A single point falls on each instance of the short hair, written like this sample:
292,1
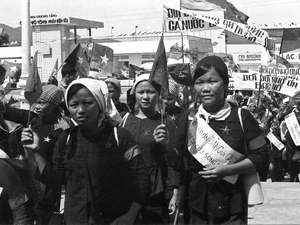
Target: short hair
67,69
2,71
209,62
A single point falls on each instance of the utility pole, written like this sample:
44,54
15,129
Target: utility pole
26,39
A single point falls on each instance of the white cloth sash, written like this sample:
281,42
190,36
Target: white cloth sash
274,140
208,148
293,127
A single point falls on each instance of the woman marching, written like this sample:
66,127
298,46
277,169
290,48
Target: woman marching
49,123
105,176
212,199
154,141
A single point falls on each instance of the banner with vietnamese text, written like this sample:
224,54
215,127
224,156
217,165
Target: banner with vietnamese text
249,32
279,84
177,21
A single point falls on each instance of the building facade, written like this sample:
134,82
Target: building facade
55,38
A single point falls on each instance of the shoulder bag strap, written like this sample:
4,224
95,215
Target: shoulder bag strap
124,119
241,122
116,135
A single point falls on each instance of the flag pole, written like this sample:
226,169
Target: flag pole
259,89
26,39
185,97
161,101
162,107
58,69
29,112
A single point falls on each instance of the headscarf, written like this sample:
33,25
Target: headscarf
173,88
143,77
51,93
100,93
114,81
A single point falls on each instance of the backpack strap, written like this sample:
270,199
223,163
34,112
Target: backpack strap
240,117
116,135
124,119
241,122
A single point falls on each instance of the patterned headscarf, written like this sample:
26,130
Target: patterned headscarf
51,93
100,93
173,88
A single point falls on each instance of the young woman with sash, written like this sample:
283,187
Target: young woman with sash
219,150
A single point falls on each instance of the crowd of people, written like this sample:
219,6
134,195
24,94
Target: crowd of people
119,163
270,109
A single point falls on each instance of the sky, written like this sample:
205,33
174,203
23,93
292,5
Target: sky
125,15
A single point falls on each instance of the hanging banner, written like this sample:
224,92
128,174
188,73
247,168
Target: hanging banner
293,72
279,84
177,21
248,32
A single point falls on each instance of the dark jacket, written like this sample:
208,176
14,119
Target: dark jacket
102,176
16,206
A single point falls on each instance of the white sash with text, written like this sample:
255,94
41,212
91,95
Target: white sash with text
293,127
209,149
274,140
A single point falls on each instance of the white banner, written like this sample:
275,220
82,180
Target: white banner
177,21
275,141
248,32
293,127
293,73
279,84
208,148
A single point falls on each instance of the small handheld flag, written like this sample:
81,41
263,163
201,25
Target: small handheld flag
33,88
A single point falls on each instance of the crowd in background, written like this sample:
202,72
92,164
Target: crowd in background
269,109
132,172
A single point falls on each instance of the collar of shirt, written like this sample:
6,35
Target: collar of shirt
220,115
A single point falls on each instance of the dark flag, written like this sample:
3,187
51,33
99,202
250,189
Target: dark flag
181,73
79,61
232,13
135,71
12,69
159,72
203,5
283,61
102,60
119,71
33,88
55,69
290,40
52,79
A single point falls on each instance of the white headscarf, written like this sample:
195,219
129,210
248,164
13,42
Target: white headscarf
100,93
142,77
